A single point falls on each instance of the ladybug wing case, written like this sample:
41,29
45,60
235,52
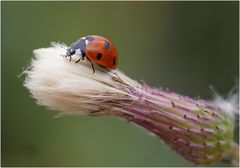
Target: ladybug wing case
102,52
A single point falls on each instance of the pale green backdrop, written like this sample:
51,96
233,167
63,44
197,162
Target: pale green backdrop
184,46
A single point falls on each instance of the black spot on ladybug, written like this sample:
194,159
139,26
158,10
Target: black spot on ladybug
99,56
89,38
106,45
114,60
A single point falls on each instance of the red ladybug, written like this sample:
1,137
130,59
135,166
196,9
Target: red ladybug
96,49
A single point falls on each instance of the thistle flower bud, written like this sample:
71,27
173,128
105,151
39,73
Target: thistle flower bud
199,130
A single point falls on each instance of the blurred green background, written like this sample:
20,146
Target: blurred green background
184,46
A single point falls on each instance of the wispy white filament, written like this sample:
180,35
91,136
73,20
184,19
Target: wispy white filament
69,87
229,104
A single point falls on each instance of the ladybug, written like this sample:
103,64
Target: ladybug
96,49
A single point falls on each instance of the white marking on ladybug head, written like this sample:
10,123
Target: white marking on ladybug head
86,41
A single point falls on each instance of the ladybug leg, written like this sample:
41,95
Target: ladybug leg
92,65
78,60
81,57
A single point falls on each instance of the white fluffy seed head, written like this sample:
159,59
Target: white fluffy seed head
72,87
228,104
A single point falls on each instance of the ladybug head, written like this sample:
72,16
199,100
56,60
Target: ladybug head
70,52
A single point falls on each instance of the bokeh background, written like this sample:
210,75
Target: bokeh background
184,46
